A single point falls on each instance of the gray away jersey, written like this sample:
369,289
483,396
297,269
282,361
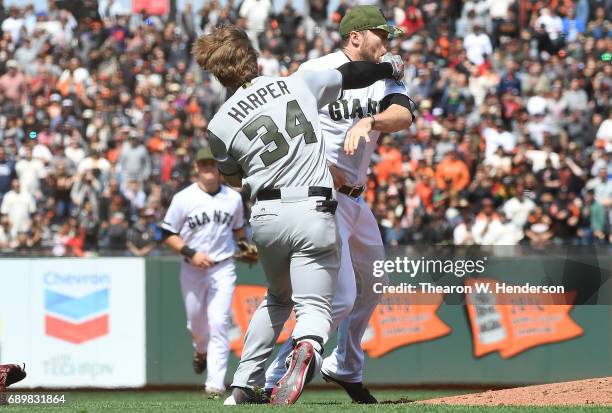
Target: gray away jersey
270,131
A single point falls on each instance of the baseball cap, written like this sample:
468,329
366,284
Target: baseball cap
204,154
366,18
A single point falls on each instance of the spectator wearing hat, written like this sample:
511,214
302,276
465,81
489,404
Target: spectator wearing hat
65,117
140,236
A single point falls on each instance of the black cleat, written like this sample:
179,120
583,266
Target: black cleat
357,392
243,395
199,362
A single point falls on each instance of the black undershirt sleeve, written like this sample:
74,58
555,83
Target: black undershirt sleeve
357,75
166,233
399,99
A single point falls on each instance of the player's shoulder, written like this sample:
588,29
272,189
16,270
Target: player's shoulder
329,61
185,193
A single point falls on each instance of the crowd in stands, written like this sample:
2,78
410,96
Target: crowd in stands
102,111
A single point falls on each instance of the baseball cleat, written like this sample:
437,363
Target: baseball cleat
357,392
290,386
199,362
244,395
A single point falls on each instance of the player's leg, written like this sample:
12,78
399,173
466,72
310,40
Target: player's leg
269,318
347,361
314,271
219,303
193,288
345,293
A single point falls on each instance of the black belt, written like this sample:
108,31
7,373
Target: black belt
352,191
270,194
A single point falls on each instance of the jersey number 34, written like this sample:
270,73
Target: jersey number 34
295,124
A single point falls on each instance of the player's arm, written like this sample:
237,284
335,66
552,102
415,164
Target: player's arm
178,245
240,234
399,113
327,85
228,167
173,220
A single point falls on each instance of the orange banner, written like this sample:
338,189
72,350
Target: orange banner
247,299
514,322
158,7
398,323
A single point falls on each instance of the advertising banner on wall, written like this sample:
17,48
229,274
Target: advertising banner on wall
246,300
394,325
512,323
74,322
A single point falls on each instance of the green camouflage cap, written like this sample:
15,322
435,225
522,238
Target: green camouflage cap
204,154
366,18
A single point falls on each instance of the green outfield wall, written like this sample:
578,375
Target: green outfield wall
446,360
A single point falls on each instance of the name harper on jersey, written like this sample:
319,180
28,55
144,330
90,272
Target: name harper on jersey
219,217
257,99
342,109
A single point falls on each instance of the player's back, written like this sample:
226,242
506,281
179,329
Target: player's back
270,127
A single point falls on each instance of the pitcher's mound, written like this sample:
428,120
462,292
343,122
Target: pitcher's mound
582,392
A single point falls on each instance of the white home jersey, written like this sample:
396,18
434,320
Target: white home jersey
339,116
206,222
269,129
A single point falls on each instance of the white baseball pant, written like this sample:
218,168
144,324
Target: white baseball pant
208,299
354,299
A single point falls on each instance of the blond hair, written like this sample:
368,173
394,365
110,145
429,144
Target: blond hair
227,53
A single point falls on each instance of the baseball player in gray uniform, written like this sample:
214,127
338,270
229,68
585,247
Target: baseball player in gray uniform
362,113
203,223
267,137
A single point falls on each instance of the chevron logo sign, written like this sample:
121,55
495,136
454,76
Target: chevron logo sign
76,319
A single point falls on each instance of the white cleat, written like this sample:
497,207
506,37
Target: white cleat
229,401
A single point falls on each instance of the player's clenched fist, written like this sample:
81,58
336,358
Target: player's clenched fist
202,260
397,63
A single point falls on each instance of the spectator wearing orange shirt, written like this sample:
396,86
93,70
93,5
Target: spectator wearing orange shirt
390,162
452,173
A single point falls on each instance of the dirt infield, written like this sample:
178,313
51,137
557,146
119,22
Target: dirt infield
582,392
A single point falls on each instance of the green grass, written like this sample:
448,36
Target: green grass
312,401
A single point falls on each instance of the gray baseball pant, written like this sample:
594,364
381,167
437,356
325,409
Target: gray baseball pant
299,251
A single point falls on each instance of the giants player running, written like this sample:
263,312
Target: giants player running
268,135
203,223
381,107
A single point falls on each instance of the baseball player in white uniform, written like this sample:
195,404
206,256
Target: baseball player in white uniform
267,136
203,223
381,107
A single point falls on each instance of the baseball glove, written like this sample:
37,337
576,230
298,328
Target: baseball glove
11,374
246,253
